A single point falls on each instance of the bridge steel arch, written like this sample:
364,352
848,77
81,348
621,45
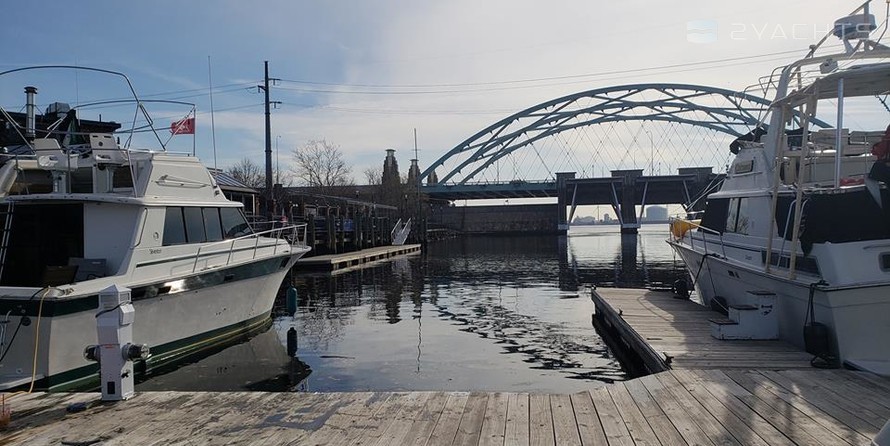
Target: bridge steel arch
736,114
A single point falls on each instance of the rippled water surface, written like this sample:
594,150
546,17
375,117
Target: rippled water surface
479,313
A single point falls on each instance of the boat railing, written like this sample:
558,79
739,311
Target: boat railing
295,235
400,231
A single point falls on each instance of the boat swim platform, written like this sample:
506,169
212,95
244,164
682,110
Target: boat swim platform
667,333
336,262
678,407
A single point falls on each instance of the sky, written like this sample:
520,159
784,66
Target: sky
365,74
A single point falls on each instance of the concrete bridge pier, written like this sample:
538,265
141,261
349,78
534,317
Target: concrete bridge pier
624,200
562,223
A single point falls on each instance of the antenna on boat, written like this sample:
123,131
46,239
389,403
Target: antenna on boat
212,123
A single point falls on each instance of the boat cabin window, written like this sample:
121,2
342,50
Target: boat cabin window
194,225
42,240
199,225
174,228
716,214
212,224
31,182
737,216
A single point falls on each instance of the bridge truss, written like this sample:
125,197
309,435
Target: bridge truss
655,127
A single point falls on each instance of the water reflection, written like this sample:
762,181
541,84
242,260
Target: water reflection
260,363
599,255
484,313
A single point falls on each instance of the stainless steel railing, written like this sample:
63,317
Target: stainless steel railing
295,235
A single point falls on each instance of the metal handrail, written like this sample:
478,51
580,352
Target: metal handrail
292,234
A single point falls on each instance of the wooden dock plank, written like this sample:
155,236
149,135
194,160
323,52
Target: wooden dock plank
678,415
517,426
395,429
446,428
540,419
662,427
709,424
736,403
470,428
565,427
634,421
745,425
494,422
422,426
861,420
826,429
589,427
873,395
723,387
370,428
353,416
850,398
613,425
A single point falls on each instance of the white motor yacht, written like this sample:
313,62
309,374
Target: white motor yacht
152,221
796,243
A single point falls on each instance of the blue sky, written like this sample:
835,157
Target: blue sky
364,74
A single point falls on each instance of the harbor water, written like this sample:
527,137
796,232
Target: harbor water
476,313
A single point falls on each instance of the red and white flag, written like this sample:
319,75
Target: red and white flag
184,126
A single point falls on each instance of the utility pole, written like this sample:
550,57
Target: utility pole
265,88
268,132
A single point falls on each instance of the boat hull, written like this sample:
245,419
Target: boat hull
855,315
174,325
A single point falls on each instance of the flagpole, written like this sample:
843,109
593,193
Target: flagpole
212,123
194,129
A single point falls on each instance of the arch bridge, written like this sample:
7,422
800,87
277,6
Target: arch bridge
603,146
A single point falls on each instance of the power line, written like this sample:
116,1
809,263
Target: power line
518,87
540,79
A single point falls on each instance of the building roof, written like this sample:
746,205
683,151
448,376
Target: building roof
228,182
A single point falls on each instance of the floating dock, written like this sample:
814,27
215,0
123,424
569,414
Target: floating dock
668,333
709,393
335,262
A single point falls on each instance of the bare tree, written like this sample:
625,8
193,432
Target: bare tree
283,176
248,173
320,164
374,176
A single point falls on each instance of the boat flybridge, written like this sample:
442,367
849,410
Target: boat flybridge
77,219
796,243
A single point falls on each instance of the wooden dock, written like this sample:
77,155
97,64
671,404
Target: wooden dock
701,407
335,262
669,333
710,393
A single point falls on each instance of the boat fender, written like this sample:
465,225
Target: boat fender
292,342
681,289
291,301
680,227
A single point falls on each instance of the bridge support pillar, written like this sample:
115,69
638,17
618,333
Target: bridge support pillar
626,199
562,200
